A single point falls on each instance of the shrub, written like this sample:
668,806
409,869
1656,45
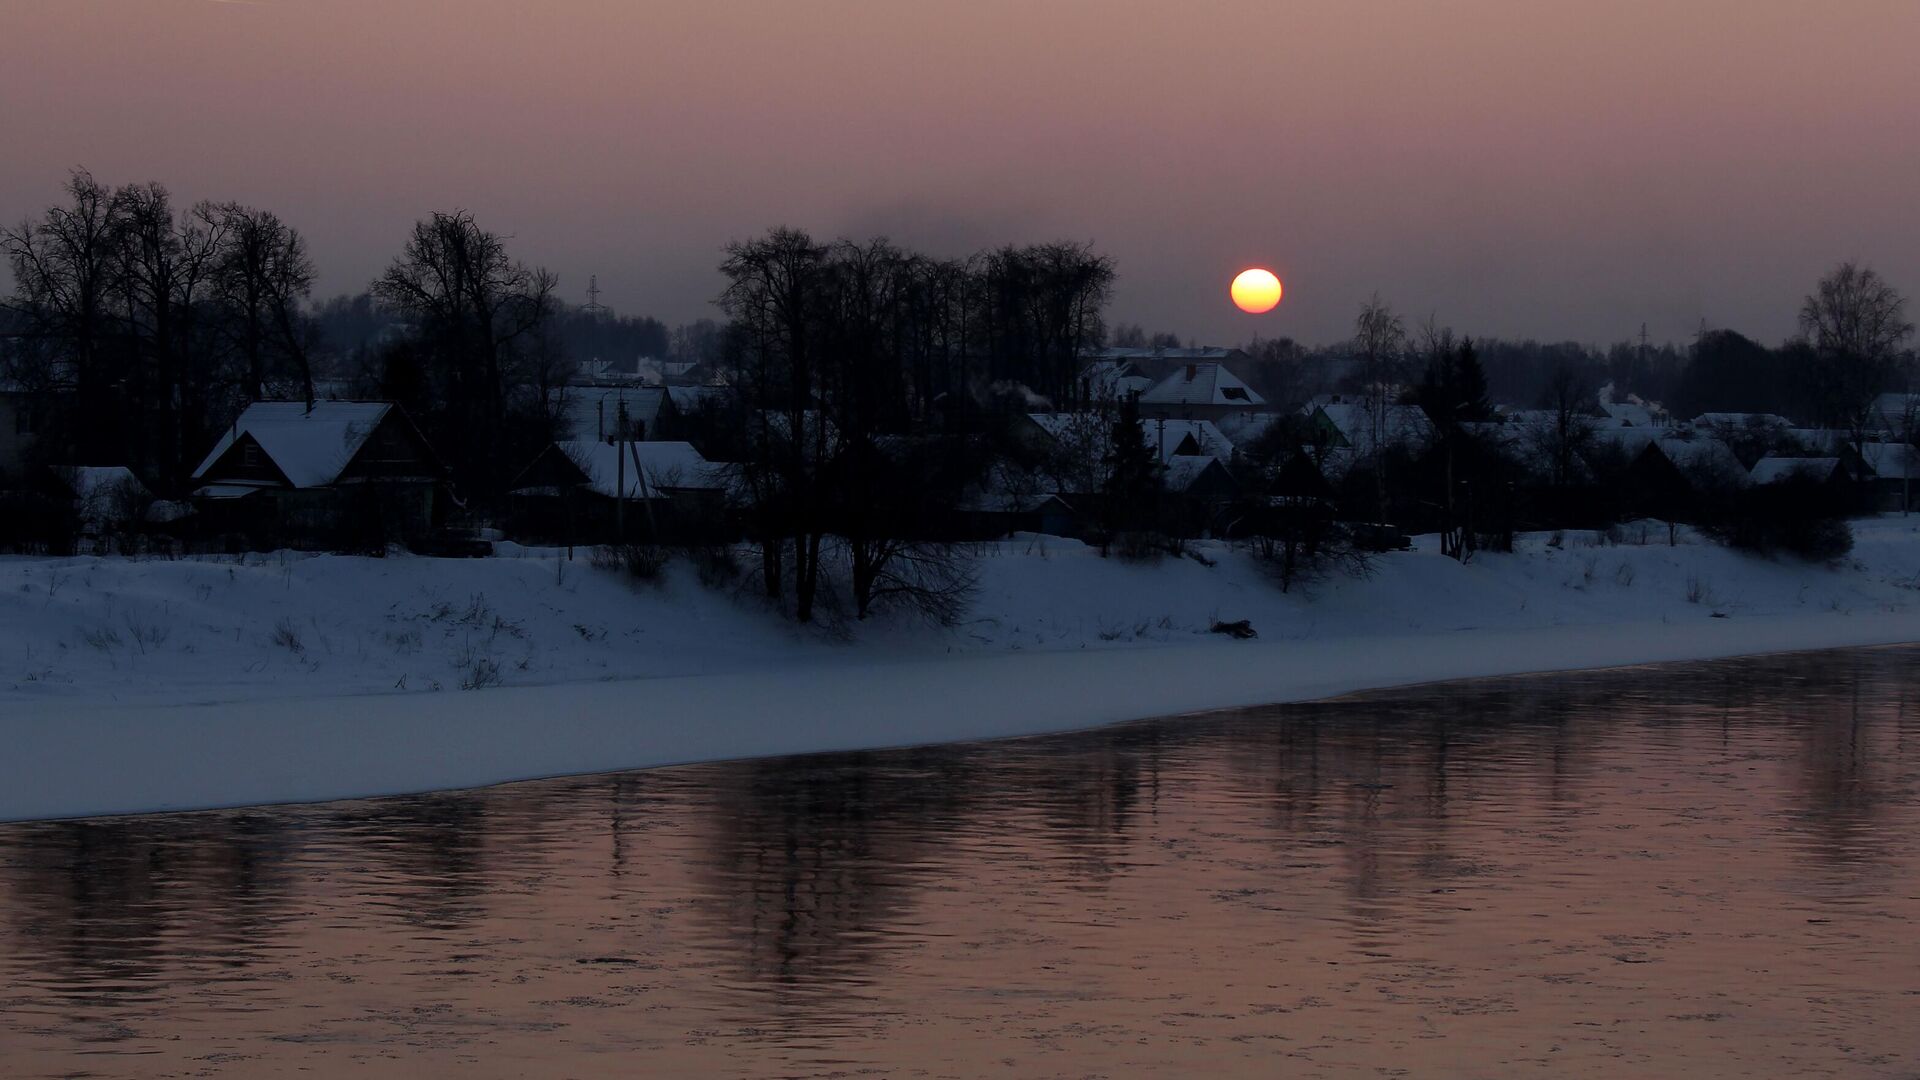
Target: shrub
640,562
1798,516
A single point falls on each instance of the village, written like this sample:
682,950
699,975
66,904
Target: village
643,457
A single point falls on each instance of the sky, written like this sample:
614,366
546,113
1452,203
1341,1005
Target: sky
1517,168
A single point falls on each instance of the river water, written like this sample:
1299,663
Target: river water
1700,870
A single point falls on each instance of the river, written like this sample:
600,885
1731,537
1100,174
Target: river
1699,869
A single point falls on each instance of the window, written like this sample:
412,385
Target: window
250,456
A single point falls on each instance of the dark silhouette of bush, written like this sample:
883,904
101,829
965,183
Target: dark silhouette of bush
1800,516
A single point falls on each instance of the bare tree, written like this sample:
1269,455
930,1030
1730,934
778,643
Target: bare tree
265,278
65,273
1379,343
475,313
1856,323
1568,431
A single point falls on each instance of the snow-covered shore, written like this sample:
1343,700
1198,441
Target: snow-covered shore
136,686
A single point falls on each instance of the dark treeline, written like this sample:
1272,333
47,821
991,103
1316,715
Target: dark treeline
156,322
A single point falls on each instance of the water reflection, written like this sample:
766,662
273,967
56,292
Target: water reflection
1574,869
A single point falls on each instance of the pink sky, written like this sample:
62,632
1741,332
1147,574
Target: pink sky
1520,167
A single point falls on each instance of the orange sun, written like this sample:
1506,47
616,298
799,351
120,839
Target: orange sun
1256,291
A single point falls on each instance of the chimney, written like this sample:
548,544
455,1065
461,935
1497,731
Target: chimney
1193,370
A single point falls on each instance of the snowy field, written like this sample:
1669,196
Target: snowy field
132,686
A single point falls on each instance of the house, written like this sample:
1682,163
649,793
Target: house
1891,473
329,474
1668,475
1200,390
994,513
586,490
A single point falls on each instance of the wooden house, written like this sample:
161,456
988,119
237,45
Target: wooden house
333,474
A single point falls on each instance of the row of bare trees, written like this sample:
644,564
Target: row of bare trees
144,329
154,323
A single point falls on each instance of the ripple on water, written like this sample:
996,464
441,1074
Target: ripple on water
1710,869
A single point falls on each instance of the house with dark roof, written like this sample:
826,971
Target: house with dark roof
332,474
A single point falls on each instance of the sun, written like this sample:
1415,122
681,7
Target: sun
1256,291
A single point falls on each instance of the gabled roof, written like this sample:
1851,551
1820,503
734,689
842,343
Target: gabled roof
1702,453
1169,438
1202,384
310,446
1891,461
662,466
1183,472
1770,469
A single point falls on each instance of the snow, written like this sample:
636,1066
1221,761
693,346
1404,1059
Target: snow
310,446
593,412
1771,469
1202,384
131,686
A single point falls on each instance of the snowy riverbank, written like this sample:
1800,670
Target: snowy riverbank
128,686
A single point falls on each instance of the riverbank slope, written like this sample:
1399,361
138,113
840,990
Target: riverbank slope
138,686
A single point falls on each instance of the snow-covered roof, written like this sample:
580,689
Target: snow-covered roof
1112,380
309,446
1202,384
1894,412
1703,454
1167,437
1196,352
694,398
1242,428
1164,437
1741,419
1400,425
1628,414
97,489
1181,472
593,412
1891,461
1772,469
662,466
